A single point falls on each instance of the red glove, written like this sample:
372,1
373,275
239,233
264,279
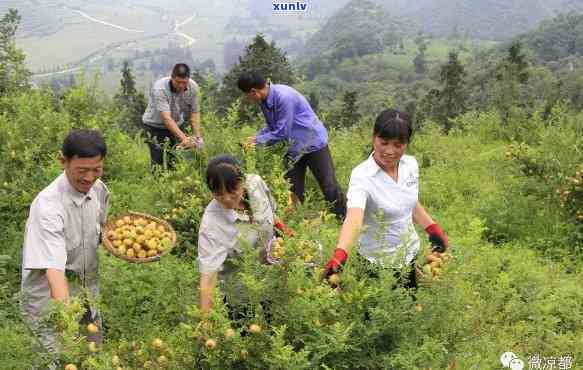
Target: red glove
335,263
279,225
437,238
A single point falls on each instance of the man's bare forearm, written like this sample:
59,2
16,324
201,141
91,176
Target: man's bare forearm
58,285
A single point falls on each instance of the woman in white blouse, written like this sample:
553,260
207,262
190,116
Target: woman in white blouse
242,211
383,197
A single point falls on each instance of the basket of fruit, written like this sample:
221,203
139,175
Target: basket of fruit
307,251
138,237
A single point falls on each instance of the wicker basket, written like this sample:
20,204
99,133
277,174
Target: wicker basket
276,261
111,225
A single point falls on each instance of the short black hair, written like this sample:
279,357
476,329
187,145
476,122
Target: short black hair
84,143
392,124
250,80
181,70
223,173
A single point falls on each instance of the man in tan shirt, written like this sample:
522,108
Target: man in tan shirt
59,258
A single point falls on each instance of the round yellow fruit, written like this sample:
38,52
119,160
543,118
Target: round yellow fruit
151,244
121,249
130,253
162,360
127,220
92,329
254,328
70,367
92,347
161,228
151,253
148,233
157,343
141,239
334,279
117,243
210,344
119,223
160,248
229,333
115,361
128,242
142,254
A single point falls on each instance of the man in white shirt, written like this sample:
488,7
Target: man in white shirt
59,258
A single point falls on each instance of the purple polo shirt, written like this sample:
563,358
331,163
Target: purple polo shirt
290,118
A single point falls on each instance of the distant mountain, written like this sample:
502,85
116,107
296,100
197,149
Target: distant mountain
38,18
359,28
482,19
556,39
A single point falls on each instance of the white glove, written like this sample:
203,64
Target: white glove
198,143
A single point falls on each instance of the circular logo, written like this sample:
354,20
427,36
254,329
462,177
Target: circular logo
516,364
506,358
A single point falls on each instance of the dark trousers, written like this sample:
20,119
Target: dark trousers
321,166
162,144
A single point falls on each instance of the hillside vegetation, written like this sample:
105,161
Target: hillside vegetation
499,142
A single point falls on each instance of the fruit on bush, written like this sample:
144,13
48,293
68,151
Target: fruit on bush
162,360
92,329
70,367
254,328
115,361
210,344
157,343
92,347
334,279
418,307
244,354
229,333
305,252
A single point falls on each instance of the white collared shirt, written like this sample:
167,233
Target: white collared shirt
62,232
388,235
222,230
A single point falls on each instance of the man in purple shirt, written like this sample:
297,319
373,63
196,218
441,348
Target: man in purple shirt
290,119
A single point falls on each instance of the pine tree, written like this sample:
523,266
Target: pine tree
129,101
450,99
511,75
452,96
13,72
259,56
349,115
128,84
314,101
420,61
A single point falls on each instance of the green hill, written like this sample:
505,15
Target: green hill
483,19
